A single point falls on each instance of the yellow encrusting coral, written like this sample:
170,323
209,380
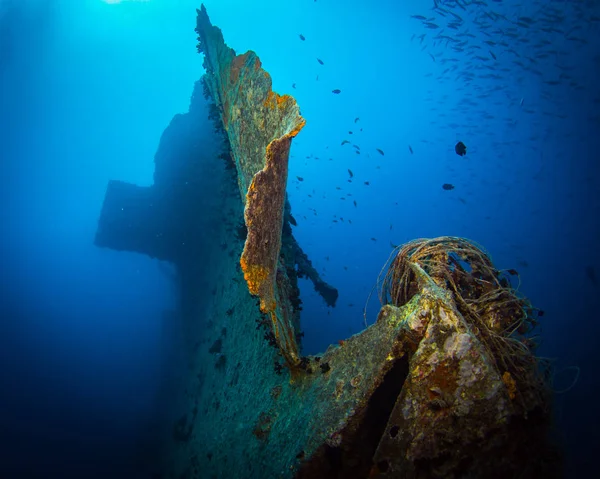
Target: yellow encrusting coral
255,275
511,385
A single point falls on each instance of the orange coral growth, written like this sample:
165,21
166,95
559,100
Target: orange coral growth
268,100
258,278
281,101
444,376
296,130
510,384
236,65
255,275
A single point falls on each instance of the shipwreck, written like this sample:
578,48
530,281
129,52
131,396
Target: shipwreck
445,384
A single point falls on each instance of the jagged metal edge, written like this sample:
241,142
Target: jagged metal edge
254,116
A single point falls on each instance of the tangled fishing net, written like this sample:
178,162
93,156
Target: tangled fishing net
496,313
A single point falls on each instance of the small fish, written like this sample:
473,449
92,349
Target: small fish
493,56
540,312
355,203
512,272
301,37
460,148
411,150
350,133
350,172
344,142
300,178
448,186
294,86
356,119
336,91
521,102
373,239
293,221
320,61
380,152
367,183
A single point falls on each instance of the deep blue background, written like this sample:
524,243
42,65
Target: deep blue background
87,88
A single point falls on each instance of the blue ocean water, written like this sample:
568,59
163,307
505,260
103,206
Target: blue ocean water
87,88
